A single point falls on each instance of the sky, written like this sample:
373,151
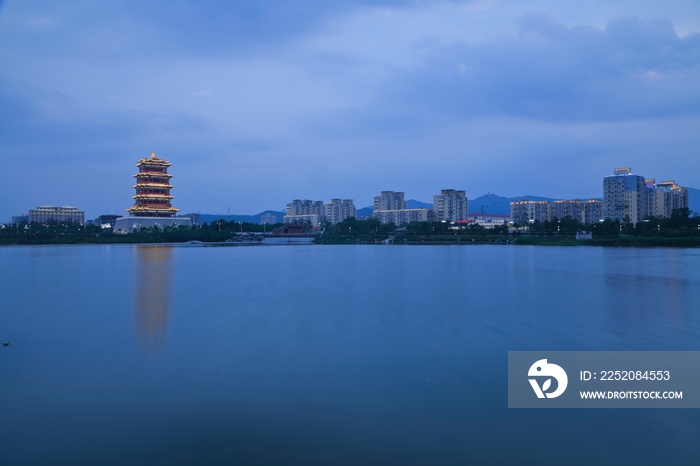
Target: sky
259,103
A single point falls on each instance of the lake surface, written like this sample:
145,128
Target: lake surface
300,355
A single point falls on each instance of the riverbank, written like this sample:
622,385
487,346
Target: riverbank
220,239
523,240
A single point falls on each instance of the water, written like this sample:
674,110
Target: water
328,354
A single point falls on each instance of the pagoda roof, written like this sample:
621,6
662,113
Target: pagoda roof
152,185
153,160
151,209
152,175
154,196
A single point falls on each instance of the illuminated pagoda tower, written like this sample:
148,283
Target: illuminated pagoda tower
152,202
153,189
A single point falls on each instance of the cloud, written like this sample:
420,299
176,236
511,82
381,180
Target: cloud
201,92
549,71
652,75
372,95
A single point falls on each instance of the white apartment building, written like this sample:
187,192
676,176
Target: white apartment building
400,216
585,211
631,197
305,211
389,200
49,213
664,197
450,206
339,209
625,196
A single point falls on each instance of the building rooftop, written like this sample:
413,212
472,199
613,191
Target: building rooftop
153,160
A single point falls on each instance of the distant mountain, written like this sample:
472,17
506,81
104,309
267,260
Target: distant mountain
494,204
238,218
413,204
365,212
694,200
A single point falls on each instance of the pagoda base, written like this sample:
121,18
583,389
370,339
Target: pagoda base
125,225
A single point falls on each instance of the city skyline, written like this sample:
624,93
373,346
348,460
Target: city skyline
693,202
322,101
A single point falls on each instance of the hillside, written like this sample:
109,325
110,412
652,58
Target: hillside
208,218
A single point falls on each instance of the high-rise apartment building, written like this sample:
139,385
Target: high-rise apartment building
664,197
625,196
631,197
389,200
305,211
390,206
306,207
339,209
450,206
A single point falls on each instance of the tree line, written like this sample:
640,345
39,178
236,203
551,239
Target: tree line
681,224
54,232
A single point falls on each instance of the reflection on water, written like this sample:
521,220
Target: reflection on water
329,354
152,294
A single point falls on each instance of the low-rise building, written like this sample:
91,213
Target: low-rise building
524,212
312,219
64,214
592,211
106,220
17,219
486,220
268,218
400,216
196,218
586,211
291,229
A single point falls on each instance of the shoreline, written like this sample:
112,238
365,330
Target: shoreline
678,242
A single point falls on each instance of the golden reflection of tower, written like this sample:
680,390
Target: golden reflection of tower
152,294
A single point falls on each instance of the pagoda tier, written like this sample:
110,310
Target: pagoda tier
152,186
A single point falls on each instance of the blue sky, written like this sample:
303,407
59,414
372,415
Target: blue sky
259,103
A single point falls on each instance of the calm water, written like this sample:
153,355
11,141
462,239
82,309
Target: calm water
328,354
